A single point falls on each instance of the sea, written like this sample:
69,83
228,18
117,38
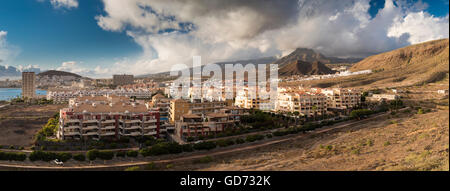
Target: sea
10,93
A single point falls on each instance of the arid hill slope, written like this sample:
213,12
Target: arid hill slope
299,67
416,64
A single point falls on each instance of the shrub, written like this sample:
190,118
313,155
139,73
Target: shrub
132,153
150,166
169,166
121,154
92,154
187,148
12,156
190,139
269,136
203,160
63,156
79,157
48,156
105,155
240,141
221,143
420,111
253,138
360,113
133,168
387,143
208,145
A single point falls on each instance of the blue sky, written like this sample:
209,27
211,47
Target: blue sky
43,35
47,36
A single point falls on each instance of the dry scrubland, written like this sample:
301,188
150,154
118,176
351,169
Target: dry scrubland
19,123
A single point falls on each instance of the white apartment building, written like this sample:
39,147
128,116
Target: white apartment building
306,103
342,98
62,96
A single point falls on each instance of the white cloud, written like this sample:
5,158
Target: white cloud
172,31
67,4
7,51
421,27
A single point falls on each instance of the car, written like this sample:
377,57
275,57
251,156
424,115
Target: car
58,162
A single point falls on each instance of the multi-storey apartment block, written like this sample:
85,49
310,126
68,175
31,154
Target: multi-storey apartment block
28,84
95,119
63,96
179,107
342,98
193,125
244,99
162,104
306,103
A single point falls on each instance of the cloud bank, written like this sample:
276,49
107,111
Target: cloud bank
7,52
172,31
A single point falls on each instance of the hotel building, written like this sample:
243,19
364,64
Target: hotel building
99,118
28,85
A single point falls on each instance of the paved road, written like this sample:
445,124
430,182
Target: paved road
288,138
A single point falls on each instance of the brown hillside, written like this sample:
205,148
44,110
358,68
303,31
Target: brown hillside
416,64
299,67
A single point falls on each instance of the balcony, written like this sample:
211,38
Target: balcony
150,127
108,128
73,121
130,121
72,128
151,121
68,134
132,128
106,134
132,134
90,128
108,121
91,134
150,133
90,121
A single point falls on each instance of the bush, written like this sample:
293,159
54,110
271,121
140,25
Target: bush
269,136
187,148
203,160
133,168
208,145
161,149
132,153
240,141
150,166
92,154
190,139
360,113
253,138
64,157
12,156
121,154
48,156
420,111
105,155
79,157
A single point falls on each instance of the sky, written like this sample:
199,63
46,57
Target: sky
98,38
